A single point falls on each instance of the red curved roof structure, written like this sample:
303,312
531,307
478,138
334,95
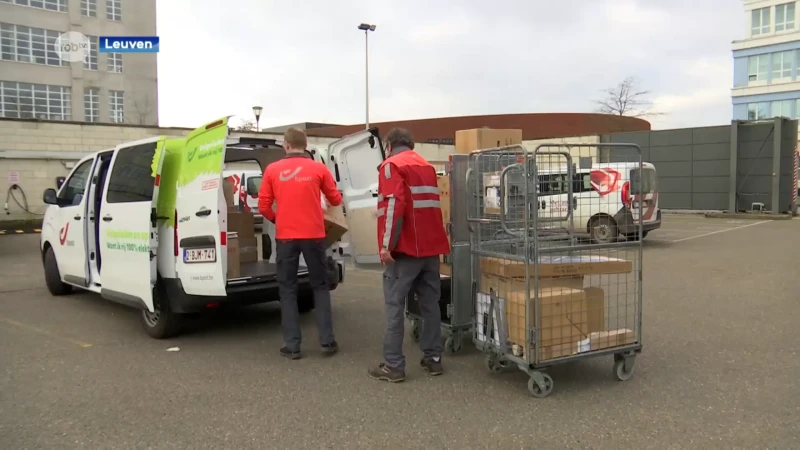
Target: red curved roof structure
533,126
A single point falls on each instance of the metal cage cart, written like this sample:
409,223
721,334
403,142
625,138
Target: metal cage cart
555,254
456,299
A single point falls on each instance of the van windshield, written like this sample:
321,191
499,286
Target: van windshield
645,183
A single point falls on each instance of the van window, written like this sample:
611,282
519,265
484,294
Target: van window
647,183
552,184
582,182
254,183
132,176
73,190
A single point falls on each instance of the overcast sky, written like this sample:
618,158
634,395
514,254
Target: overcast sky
304,61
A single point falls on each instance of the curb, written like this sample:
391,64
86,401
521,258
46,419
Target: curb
749,216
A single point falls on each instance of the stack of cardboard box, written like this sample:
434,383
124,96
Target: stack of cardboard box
241,235
572,319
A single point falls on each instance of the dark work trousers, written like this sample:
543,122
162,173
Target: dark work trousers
288,259
421,276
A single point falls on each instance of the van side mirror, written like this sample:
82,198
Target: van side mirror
49,197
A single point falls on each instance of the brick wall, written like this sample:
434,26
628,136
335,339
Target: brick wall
49,147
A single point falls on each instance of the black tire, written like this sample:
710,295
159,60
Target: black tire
162,323
305,301
603,230
52,276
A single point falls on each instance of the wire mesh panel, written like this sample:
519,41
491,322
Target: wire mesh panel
556,244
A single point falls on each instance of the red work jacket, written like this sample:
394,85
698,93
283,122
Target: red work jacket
409,210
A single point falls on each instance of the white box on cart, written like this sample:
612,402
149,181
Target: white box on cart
482,303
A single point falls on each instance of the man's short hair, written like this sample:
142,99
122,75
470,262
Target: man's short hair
296,138
399,137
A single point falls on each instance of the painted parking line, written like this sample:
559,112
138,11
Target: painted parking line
44,332
28,231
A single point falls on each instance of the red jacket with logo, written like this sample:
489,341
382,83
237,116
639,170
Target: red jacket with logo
409,209
294,184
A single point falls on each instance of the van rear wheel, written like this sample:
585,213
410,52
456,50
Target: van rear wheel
603,230
52,277
162,323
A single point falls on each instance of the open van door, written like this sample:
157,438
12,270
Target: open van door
128,223
354,160
200,225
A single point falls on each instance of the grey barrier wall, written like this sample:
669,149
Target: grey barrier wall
725,168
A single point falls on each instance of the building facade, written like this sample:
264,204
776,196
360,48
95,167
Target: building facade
766,63
106,87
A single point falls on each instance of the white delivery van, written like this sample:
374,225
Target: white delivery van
146,224
605,199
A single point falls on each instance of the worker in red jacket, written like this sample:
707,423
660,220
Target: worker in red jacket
295,184
411,238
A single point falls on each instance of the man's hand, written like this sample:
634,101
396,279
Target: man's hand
386,257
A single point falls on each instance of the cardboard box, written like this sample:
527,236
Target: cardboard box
563,317
444,198
234,266
445,269
227,191
491,193
242,223
558,266
336,225
483,138
596,308
248,250
505,285
606,339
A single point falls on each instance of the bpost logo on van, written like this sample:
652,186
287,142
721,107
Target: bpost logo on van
62,236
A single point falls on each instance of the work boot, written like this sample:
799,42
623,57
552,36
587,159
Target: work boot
330,349
286,353
432,365
383,372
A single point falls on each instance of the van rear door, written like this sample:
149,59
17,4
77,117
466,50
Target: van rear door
354,160
128,223
644,188
201,228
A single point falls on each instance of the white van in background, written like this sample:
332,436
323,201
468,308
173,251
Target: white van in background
605,200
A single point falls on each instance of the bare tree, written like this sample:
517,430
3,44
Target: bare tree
246,125
626,99
140,112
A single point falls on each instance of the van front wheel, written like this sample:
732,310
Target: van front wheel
162,323
52,277
603,230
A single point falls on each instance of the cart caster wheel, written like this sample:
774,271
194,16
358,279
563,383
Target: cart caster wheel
620,371
415,331
541,389
494,364
453,344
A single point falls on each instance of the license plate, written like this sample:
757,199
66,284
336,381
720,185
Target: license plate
199,255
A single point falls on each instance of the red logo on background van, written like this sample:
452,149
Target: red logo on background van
62,235
605,181
235,181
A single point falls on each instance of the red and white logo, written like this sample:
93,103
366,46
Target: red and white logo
605,181
62,235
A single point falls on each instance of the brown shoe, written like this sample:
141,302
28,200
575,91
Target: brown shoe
383,372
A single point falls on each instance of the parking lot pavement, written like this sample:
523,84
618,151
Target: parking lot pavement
718,369
686,227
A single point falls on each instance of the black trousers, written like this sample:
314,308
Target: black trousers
287,256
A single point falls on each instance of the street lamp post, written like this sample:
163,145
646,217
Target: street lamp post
366,28
257,111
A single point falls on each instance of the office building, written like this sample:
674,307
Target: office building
105,87
766,61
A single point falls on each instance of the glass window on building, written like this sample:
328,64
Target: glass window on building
784,17
115,62
114,10
782,66
759,21
782,108
35,101
758,67
89,8
757,111
116,106
91,104
29,45
90,63
51,5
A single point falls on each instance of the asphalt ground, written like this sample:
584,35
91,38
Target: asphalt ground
719,367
